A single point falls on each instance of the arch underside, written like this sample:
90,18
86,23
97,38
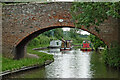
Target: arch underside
21,46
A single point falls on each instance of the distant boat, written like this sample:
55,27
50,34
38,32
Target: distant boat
55,44
86,46
66,45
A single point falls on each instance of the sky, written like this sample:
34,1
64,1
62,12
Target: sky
85,32
82,32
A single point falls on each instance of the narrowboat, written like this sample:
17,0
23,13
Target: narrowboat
66,45
55,44
86,46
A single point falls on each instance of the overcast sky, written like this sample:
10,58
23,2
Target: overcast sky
82,32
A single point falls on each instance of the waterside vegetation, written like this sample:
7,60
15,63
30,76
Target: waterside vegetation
10,64
111,56
94,13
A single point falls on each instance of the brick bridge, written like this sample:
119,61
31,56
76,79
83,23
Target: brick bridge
23,22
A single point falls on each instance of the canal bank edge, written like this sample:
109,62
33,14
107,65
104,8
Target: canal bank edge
25,68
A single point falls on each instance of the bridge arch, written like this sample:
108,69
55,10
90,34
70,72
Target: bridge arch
22,44
23,22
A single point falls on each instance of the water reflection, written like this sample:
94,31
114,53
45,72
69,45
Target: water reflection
54,50
72,64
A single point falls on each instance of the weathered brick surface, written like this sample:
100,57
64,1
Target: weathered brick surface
23,22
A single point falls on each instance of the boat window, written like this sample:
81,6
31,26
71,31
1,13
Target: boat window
57,43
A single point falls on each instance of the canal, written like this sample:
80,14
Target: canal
72,64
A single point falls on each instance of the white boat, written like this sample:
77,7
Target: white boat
55,44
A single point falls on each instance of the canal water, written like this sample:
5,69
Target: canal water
72,64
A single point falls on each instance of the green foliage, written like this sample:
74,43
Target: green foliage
96,41
75,37
42,55
112,56
79,40
41,40
58,33
48,33
10,64
73,33
94,13
45,38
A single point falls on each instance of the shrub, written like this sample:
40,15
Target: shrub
111,56
41,40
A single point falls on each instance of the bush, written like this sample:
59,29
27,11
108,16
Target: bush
41,40
112,56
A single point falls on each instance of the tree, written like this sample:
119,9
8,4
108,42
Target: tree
94,13
96,42
58,33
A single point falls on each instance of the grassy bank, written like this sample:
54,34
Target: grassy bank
10,64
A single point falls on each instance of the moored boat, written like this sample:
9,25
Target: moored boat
86,49
66,45
86,46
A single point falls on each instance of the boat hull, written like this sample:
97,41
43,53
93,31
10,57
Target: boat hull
86,49
65,49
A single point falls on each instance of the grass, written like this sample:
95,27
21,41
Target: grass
77,47
10,64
